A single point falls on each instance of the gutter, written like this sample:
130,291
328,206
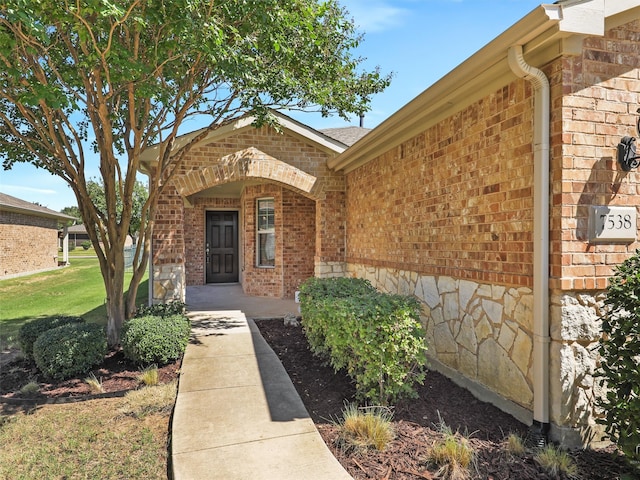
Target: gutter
541,337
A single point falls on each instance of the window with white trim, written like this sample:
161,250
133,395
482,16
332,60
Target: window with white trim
266,233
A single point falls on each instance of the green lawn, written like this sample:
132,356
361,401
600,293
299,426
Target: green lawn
74,290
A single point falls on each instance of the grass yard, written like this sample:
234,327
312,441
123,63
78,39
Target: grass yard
123,437
105,438
74,290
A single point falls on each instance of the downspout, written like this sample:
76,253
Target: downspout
541,339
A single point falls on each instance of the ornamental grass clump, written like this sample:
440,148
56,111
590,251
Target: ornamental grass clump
453,454
362,428
556,462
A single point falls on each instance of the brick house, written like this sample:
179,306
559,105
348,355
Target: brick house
494,197
28,237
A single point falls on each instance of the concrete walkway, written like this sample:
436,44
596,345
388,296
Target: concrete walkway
237,414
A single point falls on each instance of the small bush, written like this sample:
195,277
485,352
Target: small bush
620,358
153,339
70,349
30,331
86,245
161,309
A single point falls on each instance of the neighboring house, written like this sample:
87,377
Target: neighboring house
495,197
28,237
78,235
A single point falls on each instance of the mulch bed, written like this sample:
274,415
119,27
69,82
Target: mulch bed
116,374
325,392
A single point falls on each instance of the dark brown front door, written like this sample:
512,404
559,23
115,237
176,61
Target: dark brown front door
221,249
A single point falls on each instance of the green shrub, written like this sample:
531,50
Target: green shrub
69,350
161,309
30,331
377,338
154,339
317,297
86,245
620,358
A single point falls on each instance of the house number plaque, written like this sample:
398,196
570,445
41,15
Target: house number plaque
612,224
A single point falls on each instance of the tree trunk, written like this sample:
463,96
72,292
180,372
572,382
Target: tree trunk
115,317
113,276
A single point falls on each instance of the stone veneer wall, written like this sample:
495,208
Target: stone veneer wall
168,283
28,244
575,330
481,331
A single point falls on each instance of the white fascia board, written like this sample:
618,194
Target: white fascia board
307,133
585,18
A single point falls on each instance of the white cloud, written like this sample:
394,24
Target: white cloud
22,188
375,16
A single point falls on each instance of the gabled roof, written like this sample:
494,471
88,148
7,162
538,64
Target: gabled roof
77,229
547,32
323,141
346,135
13,204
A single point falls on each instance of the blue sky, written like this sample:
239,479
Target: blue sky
420,41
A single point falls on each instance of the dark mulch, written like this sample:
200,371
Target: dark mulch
324,393
116,373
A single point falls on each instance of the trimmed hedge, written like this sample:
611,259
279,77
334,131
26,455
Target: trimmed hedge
30,331
155,339
377,338
69,350
161,309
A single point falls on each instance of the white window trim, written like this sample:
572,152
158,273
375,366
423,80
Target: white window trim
265,231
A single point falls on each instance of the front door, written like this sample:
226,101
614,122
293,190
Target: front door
221,249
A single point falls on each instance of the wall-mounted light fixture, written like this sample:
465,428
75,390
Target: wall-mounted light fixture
627,157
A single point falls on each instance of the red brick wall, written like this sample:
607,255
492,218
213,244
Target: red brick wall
455,200
27,243
295,242
299,215
594,101
168,243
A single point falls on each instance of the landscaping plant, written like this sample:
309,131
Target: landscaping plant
30,331
161,309
453,454
620,358
154,339
366,427
70,350
377,338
